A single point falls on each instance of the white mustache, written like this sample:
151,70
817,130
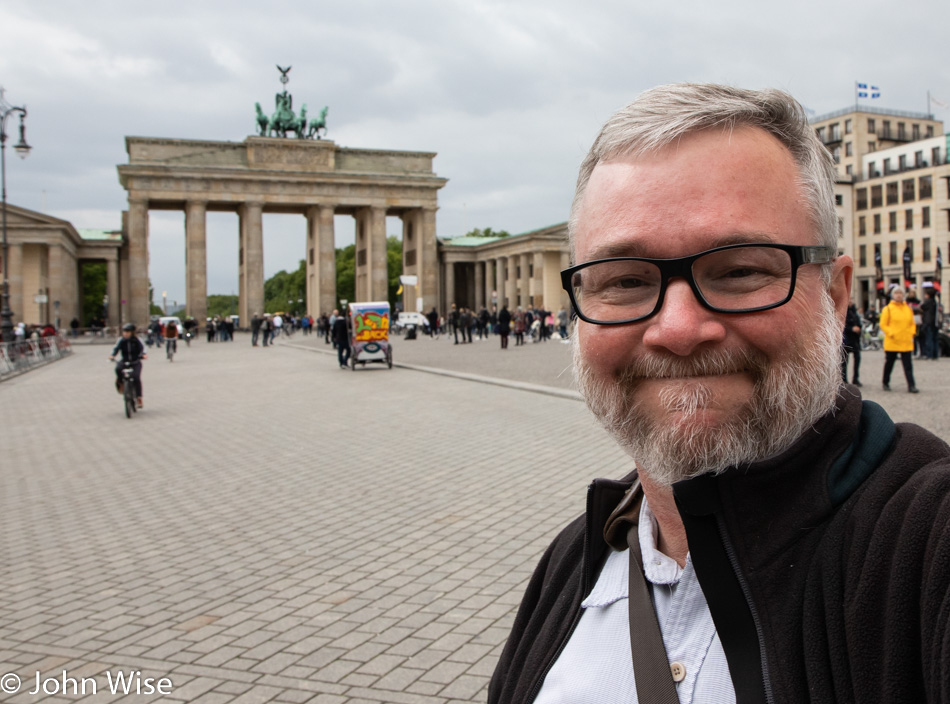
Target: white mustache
703,364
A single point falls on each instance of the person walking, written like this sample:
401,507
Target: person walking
897,323
929,348
519,326
454,323
851,345
504,326
255,329
341,340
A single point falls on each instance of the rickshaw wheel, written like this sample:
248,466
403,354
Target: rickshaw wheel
353,363
389,359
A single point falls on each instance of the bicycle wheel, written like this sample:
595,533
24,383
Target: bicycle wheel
129,403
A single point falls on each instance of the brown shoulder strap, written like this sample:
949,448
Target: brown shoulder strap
651,667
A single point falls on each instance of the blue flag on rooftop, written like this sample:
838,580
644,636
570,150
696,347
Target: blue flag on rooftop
864,90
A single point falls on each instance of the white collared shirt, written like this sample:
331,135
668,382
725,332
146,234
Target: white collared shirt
596,667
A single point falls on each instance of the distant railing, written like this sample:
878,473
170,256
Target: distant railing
19,357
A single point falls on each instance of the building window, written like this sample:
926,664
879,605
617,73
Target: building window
930,131
902,162
861,199
910,248
834,132
885,129
820,132
907,186
901,131
918,159
892,221
877,223
925,187
887,166
908,219
892,193
836,155
915,132
848,149
876,197
848,170
862,226
862,255
839,199
877,253
872,146
871,126
925,216
926,249
847,126
893,253
872,169
935,156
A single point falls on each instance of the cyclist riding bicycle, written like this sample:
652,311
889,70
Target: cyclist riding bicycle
171,339
133,352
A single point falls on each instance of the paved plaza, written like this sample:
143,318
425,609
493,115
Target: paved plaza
272,528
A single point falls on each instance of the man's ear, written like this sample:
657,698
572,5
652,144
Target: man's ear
841,279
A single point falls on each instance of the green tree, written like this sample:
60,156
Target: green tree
283,287
93,277
393,268
223,305
345,274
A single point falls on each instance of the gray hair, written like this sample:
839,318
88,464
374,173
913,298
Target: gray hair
664,114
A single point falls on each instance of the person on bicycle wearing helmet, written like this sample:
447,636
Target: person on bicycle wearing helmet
133,352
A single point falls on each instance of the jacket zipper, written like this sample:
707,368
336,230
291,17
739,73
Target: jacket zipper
585,587
747,593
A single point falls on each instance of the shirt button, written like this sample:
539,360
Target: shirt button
678,670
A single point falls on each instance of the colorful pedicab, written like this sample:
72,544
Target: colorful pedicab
369,323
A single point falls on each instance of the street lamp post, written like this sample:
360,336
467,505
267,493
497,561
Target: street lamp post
22,149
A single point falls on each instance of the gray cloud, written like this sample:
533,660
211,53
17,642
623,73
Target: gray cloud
510,94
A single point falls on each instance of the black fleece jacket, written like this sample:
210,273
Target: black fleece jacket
826,568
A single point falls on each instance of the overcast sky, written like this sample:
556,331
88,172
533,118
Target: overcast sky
510,94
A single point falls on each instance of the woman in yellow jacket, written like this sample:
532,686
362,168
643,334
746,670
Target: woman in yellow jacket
897,323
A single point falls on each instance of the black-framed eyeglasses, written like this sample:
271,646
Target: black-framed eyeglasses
737,278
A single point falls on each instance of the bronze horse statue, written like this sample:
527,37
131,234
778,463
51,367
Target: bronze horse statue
262,122
318,124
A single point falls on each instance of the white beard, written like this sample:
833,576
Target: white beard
787,399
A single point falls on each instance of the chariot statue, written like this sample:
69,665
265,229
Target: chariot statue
284,120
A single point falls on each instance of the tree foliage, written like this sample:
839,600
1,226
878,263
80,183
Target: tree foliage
223,305
93,276
282,291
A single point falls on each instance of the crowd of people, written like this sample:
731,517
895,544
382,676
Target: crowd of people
464,325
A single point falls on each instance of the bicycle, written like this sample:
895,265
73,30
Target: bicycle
870,337
128,390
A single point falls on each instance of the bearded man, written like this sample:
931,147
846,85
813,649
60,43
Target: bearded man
780,540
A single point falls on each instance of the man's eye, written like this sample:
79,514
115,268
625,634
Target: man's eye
630,282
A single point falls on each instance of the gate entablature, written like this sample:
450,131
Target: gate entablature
315,178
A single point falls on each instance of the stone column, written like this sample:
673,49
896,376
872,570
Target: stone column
196,262
138,261
512,283
15,280
449,286
321,260
525,281
479,286
112,291
427,255
56,271
489,282
501,281
252,246
378,273
537,283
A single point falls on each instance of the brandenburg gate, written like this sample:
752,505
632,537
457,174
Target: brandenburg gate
263,174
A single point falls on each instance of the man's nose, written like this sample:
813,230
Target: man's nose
683,323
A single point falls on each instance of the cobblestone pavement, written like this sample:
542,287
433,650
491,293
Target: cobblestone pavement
274,529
